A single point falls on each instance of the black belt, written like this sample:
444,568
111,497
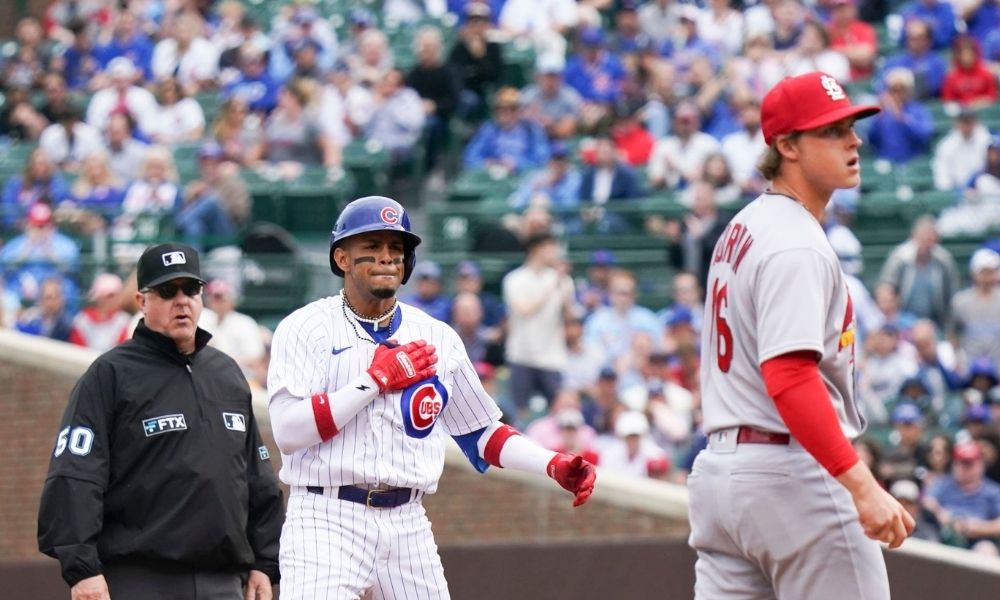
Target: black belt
370,498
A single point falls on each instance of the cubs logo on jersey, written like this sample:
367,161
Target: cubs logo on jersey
421,405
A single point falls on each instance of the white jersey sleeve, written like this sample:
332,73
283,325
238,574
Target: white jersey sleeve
792,296
471,408
300,354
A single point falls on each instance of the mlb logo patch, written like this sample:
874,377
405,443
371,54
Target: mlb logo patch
264,454
235,421
164,424
174,258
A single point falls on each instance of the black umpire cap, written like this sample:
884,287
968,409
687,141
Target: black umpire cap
165,262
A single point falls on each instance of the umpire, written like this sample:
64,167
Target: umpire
159,486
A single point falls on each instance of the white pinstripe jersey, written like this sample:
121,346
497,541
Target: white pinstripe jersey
322,347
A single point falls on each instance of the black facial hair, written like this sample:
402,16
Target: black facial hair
383,293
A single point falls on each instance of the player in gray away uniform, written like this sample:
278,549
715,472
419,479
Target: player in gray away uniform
781,507
363,394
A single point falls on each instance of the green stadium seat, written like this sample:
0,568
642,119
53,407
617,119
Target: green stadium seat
368,164
210,103
14,156
474,185
935,201
275,271
453,227
268,206
519,62
990,116
312,203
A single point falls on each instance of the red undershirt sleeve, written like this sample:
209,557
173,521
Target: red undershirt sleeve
804,404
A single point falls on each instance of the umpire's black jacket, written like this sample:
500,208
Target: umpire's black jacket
159,461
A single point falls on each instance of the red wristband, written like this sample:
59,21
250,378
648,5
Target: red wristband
491,454
324,417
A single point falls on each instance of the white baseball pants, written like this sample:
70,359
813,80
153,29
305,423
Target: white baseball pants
332,549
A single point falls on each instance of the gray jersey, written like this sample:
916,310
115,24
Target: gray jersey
775,286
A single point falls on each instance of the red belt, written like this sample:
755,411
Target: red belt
750,435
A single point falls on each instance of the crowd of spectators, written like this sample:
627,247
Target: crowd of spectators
624,99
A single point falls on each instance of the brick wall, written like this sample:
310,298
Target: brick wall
468,509
31,405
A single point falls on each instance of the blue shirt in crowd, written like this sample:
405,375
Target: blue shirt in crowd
260,93
984,21
940,16
564,193
928,70
523,145
600,82
903,138
982,503
613,331
991,46
17,199
27,262
438,307
138,49
76,71
104,200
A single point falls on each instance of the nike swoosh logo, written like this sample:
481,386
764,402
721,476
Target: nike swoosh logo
337,351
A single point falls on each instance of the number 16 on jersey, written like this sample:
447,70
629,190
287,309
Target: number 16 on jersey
722,335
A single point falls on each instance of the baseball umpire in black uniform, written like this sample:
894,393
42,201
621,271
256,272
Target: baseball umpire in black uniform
159,486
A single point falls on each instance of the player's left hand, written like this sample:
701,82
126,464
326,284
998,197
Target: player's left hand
574,475
258,586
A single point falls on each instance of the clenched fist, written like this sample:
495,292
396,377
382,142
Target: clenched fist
574,474
396,367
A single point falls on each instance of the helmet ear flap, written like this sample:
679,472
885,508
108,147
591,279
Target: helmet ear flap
409,262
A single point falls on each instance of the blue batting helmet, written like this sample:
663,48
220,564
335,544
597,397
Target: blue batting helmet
375,213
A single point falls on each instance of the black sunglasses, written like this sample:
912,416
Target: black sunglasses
167,291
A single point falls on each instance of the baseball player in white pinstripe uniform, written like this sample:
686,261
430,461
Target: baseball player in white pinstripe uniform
363,391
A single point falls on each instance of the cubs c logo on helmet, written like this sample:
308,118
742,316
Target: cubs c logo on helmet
421,405
389,215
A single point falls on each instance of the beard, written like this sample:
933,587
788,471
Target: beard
383,293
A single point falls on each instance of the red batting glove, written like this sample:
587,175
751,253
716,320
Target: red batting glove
574,474
396,367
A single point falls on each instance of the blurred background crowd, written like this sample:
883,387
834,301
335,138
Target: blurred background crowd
570,164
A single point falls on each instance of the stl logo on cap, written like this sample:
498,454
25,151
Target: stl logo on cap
389,215
805,102
833,89
174,258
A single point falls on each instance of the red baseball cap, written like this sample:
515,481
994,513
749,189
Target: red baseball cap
39,215
967,451
807,102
